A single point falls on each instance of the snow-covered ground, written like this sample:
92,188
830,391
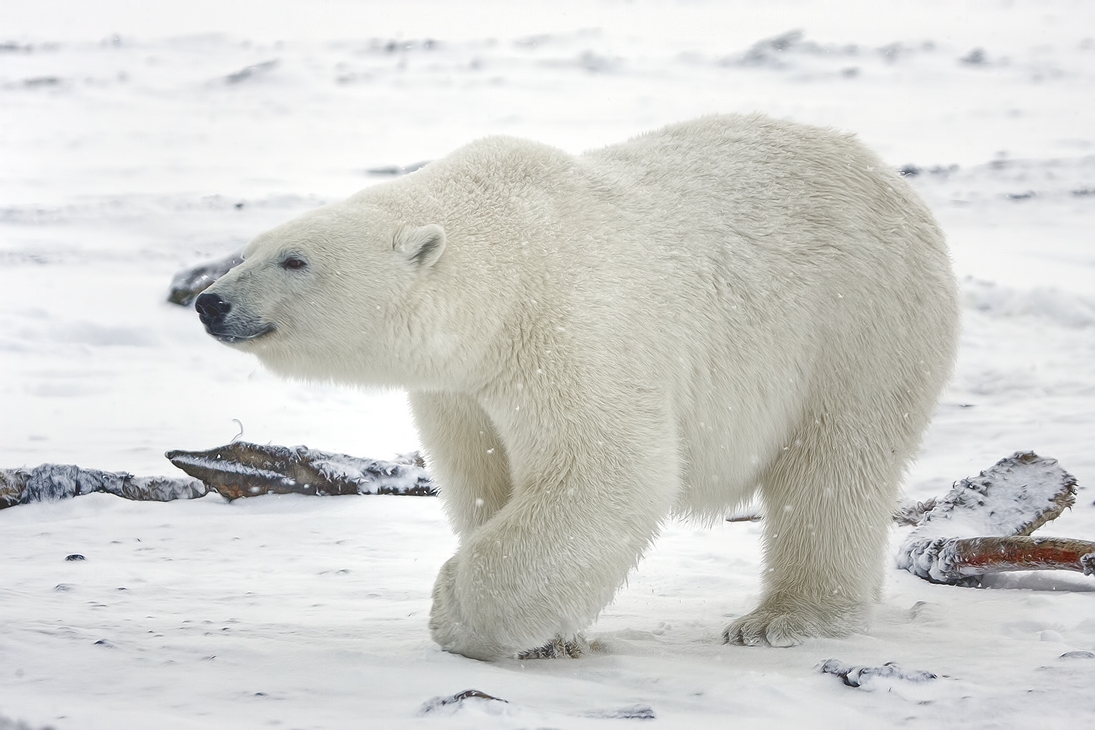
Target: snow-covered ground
137,139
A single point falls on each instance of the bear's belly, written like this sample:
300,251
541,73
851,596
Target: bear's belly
729,440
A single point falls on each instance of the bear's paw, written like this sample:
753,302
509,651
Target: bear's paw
789,623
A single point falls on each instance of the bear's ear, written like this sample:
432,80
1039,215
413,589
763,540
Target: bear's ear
422,245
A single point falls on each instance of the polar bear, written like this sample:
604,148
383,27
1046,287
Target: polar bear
727,306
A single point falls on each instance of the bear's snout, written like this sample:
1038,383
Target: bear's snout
212,309
242,326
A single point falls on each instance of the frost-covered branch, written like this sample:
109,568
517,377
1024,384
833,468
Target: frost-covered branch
50,482
243,469
239,469
983,525
957,560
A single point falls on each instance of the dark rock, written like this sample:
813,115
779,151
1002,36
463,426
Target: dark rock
189,283
437,703
857,676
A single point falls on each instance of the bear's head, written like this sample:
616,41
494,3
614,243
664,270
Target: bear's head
331,295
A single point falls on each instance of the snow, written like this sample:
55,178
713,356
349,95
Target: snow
141,139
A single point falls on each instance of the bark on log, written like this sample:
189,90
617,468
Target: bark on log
1015,496
243,469
983,525
50,482
962,561
239,469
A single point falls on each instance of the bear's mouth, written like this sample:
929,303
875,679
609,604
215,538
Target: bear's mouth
236,337
222,320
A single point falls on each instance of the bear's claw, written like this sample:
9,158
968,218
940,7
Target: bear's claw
751,630
560,648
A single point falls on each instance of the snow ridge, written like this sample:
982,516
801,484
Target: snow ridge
1057,307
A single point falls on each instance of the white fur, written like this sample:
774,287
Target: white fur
591,343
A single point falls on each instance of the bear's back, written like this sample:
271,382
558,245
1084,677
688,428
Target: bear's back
766,177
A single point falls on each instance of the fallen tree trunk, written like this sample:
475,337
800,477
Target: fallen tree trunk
50,482
983,525
1015,496
243,469
236,470
964,560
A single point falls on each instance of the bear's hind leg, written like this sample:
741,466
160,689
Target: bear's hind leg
828,501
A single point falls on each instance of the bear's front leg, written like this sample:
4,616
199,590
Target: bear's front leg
547,563
464,455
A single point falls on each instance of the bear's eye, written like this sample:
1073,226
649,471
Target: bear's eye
293,263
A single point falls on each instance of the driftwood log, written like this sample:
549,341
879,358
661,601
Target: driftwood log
50,482
983,525
964,560
243,469
239,469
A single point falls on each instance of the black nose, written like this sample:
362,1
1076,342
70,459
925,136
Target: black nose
211,309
